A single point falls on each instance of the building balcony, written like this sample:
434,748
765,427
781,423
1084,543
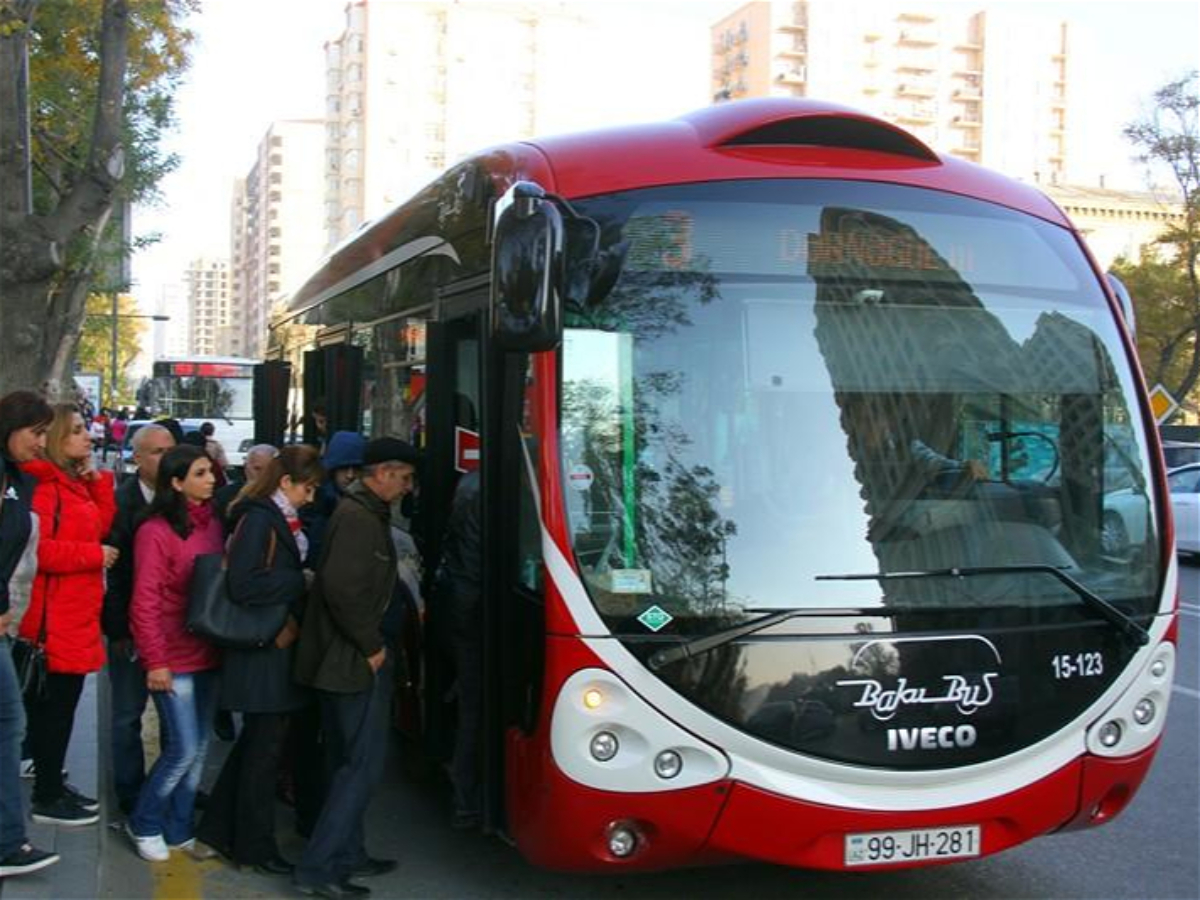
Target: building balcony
916,65
916,89
912,37
916,17
916,116
792,28
793,53
796,75
968,93
968,122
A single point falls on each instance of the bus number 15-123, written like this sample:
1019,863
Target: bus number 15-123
1077,665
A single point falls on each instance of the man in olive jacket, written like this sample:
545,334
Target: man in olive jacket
352,613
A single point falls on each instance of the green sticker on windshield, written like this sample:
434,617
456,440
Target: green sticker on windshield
655,618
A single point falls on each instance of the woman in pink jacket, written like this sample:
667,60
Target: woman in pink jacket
181,669
75,507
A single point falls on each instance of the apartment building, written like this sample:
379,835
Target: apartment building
276,228
992,86
1119,223
207,281
438,81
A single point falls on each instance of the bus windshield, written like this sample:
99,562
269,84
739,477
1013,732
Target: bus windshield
202,397
792,380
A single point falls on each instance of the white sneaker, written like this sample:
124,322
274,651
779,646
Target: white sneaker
152,848
27,770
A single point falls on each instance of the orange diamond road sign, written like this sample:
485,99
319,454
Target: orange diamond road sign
1162,404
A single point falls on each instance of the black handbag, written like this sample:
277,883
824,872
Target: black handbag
29,659
213,615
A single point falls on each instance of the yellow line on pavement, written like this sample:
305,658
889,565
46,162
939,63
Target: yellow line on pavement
179,878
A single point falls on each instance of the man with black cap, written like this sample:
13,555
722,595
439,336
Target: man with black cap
352,614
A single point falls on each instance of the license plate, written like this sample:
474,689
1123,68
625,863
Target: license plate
877,848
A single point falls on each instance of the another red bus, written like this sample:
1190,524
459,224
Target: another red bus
824,515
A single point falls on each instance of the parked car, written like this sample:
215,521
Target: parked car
1180,453
1184,483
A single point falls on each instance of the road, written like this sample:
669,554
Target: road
1150,851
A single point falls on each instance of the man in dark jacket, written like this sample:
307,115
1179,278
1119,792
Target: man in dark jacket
353,611
125,676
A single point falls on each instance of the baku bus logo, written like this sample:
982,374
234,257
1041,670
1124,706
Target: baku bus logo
883,701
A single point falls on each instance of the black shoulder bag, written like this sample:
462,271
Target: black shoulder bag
29,657
213,615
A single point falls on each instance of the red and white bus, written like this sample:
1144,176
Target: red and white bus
824,516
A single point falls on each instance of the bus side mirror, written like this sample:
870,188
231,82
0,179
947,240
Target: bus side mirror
1122,294
528,271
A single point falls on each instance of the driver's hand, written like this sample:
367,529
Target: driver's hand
977,470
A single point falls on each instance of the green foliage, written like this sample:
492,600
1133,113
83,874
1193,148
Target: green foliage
1166,288
64,67
1165,317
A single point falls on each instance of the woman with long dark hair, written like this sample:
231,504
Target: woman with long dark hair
75,505
24,419
267,554
181,668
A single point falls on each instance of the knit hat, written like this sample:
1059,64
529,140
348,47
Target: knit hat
345,449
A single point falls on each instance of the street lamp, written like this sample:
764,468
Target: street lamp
114,315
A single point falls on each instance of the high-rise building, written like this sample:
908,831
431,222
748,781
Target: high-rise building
438,81
171,336
208,302
990,86
276,228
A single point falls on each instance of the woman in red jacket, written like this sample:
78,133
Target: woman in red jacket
181,668
75,507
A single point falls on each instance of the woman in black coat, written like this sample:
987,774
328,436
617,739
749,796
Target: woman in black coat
266,560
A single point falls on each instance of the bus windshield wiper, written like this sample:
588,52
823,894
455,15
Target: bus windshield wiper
1125,624
697,646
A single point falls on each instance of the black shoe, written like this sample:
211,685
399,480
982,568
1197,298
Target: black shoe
370,868
63,811
333,890
223,726
91,804
276,865
26,859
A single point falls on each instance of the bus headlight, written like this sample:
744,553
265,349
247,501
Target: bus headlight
1110,733
604,746
1144,712
668,764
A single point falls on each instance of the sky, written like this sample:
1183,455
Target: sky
256,61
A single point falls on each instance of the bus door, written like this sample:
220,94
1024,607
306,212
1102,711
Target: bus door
476,412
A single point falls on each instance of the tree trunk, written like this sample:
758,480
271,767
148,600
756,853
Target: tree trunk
43,285
23,363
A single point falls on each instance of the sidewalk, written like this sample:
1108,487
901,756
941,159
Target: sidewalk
78,874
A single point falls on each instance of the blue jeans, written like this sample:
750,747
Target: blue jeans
127,683
356,738
12,732
168,796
